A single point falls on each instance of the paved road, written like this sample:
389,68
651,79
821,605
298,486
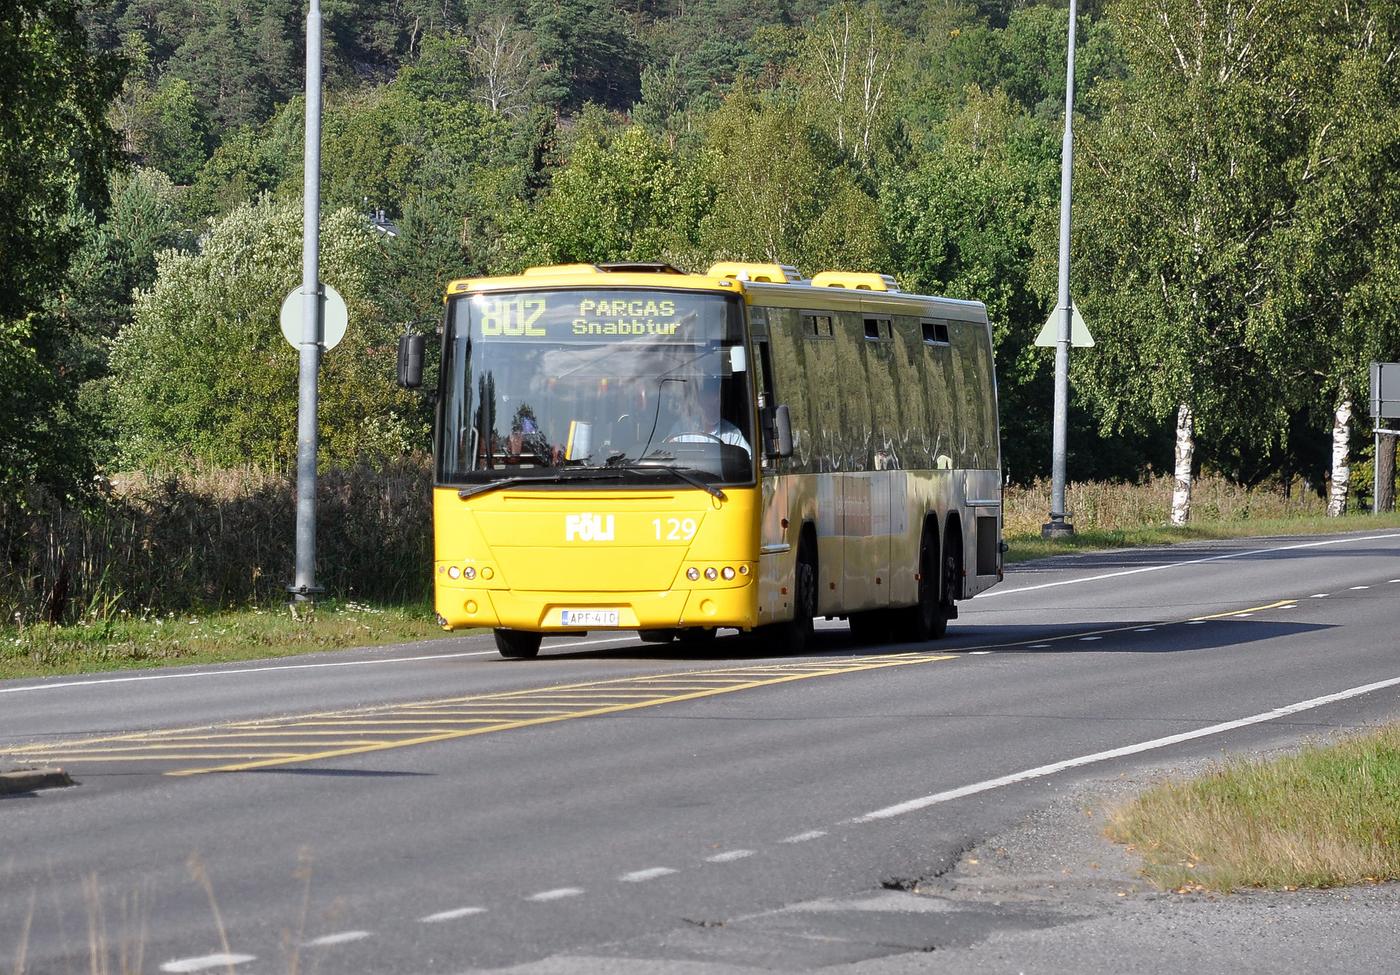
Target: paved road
432,808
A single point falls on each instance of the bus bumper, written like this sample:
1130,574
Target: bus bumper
731,605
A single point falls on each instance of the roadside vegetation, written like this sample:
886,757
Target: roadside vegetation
1107,516
1324,817
189,568
125,641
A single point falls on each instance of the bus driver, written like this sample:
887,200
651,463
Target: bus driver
702,420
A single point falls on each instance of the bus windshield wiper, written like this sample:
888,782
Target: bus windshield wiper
684,473
570,474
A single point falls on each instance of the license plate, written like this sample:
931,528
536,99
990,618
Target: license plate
588,617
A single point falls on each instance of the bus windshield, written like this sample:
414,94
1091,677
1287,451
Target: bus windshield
614,384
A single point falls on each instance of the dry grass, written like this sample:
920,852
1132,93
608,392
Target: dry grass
1117,506
1136,515
212,539
1324,817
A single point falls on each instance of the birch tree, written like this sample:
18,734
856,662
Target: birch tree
503,57
1179,186
1336,293
848,57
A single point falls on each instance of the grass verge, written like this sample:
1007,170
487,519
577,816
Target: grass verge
1025,546
156,641
1324,817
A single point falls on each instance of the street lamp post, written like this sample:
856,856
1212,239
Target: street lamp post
1058,527
304,588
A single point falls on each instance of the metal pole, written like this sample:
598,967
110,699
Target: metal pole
1376,473
1057,526
304,588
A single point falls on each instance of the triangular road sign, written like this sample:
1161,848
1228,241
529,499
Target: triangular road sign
1079,336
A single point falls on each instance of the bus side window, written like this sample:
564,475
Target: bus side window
767,401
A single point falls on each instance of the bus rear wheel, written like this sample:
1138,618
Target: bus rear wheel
928,618
518,644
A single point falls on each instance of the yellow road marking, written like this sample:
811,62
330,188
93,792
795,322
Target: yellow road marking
552,719
386,727
1236,612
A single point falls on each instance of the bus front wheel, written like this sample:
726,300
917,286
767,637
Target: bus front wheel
798,633
518,644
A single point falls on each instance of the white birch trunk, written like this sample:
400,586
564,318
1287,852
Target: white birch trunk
1185,451
1341,456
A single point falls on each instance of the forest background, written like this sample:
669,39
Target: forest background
1236,237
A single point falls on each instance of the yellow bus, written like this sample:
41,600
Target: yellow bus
629,447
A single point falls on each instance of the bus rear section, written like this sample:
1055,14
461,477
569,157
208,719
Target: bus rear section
595,465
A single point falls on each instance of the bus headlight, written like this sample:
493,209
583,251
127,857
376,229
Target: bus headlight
453,572
727,572
469,572
711,574
693,574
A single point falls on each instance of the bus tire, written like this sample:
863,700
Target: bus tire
797,633
952,582
926,619
518,644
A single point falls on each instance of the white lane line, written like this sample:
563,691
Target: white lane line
924,802
1174,565
1038,646
1146,629
236,671
980,653
558,893
729,856
221,960
650,873
339,938
1196,622
1355,588
811,834
452,915
1089,639
1320,595
1240,616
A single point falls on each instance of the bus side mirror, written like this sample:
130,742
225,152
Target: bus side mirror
782,429
411,361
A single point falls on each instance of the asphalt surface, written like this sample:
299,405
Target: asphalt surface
753,812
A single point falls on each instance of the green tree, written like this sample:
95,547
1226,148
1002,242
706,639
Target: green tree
589,50
203,372
1335,306
620,196
174,134
1178,185
785,193
847,59
56,150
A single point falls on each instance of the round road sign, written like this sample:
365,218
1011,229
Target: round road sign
333,317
